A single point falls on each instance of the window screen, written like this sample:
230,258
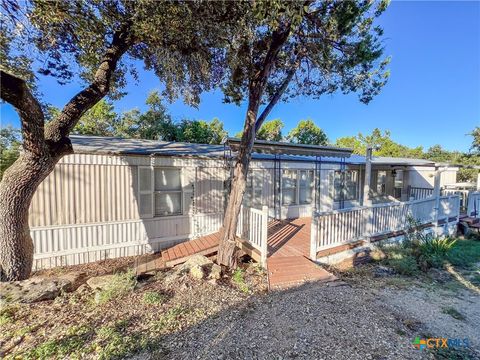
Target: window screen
289,187
306,187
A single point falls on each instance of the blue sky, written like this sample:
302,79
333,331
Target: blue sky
433,95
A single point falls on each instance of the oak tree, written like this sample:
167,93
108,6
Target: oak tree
97,42
290,49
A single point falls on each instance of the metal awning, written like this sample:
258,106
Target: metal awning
282,148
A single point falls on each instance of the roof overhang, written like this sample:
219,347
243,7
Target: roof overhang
282,148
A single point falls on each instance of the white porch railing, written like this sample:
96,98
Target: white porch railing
474,204
418,193
252,226
339,227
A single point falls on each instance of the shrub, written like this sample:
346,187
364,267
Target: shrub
432,251
239,280
401,260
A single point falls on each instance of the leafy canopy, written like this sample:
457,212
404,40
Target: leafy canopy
306,132
332,46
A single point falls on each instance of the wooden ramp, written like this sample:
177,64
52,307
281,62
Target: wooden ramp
288,250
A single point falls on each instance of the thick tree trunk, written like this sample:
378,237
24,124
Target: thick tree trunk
226,250
16,191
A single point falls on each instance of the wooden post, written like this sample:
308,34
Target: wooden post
368,174
478,181
314,235
264,253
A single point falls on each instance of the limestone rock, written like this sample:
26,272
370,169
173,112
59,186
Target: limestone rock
73,280
31,290
197,272
215,272
99,282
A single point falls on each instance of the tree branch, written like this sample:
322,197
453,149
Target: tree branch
276,97
15,91
57,131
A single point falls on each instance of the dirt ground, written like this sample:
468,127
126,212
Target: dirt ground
362,316
349,320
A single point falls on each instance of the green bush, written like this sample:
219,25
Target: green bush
239,280
433,251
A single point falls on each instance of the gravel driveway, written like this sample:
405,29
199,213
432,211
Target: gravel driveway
311,322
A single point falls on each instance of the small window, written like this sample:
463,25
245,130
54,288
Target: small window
168,192
306,187
289,187
346,188
381,182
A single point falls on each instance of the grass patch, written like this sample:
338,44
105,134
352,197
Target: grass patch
453,313
465,254
153,297
400,259
7,314
238,279
71,345
120,285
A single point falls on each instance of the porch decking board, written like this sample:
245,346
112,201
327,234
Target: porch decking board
288,250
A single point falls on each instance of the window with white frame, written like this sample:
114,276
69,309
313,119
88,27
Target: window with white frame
381,182
344,188
160,191
168,191
306,186
289,187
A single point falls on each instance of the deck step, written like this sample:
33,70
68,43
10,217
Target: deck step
289,271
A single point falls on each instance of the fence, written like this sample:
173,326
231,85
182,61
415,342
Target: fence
418,193
349,225
474,204
252,226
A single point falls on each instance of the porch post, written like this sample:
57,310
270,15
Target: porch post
264,252
314,235
365,200
478,181
436,195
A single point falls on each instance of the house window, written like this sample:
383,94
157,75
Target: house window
289,187
381,182
306,187
167,191
253,193
398,183
350,189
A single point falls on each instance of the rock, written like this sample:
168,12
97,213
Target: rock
73,280
197,272
99,282
31,290
83,289
195,260
215,272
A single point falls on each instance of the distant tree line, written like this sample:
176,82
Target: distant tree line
157,124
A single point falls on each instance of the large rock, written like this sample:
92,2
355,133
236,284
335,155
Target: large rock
194,261
31,290
215,272
195,266
100,282
73,280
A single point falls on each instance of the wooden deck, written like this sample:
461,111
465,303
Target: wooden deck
288,264
288,250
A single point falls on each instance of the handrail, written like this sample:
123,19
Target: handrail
252,227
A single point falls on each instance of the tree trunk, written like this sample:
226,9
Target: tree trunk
226,250
16,191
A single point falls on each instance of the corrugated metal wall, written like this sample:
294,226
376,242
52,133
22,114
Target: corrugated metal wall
87,209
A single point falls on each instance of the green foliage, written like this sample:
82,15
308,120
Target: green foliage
200,131
271,130
307,132
401,260
9,147
433,251
475,148
100,120
153,297
465,254
382,145
120,285
238,279
171,320
113,341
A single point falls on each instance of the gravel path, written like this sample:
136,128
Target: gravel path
311,322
